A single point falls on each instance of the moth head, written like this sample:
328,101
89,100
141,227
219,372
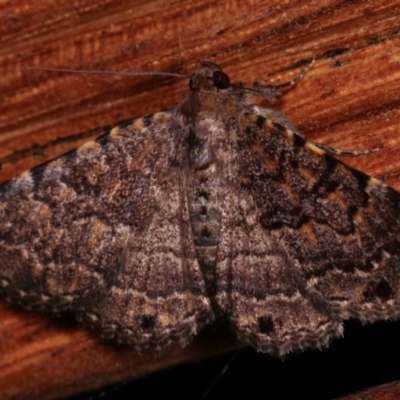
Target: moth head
210,77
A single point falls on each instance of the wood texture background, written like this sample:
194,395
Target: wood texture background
350,99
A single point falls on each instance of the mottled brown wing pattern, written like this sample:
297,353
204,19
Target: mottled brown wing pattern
258,287
159,295
215,205
74,229
323,239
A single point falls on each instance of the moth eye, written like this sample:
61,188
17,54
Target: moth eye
221,80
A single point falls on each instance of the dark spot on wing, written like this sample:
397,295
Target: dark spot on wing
279,127
123,124
260,121
362,178
147,120
38,172
104,138
299,141
266,325
70,156
381,289
148,322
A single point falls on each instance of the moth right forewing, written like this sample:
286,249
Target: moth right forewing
340,227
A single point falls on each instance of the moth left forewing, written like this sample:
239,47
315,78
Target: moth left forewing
339,227
66,216
68,228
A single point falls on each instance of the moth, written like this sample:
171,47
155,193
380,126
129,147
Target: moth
214,207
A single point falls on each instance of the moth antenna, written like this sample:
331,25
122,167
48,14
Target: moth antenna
121,73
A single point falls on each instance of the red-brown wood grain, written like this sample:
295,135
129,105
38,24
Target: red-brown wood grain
349,99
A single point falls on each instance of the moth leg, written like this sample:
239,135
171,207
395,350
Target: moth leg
358,152
288,84
271,92
268,92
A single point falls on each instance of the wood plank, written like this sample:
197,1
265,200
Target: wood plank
350,99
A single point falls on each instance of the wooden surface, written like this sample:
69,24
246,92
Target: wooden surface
350,99
385,392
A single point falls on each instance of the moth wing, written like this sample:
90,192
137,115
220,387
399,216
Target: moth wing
69,229
258,286
316,242
159,295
